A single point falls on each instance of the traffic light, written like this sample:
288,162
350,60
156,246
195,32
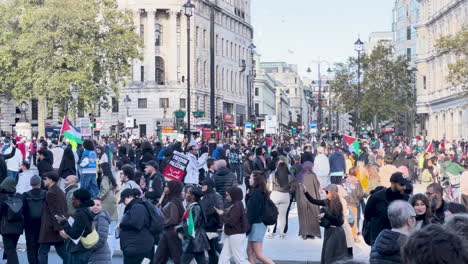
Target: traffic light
326,126
92,123
181,129
353,119
363,128
121,127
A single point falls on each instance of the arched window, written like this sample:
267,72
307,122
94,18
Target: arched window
160,78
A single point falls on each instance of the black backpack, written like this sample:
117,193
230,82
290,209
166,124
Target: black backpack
35,204
15,208
157,220
270,212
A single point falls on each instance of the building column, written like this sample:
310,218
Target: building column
150,59
136,62
171,35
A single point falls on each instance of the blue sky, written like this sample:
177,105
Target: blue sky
300,31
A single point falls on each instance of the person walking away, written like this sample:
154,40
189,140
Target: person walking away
337,166
307,155
33,151
11,219
146,155
322,167
235,226
13,163
24,179
108,201
386,171
375,213
224,179
32,207
101,253
68,164
170,246
194,220
136,241
355,193
308,222
422,209
51,233
331,218
57,154
71,185
81,227
389,243
255,205
280,183
88,179
211,200
235,162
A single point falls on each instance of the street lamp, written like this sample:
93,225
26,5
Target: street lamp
188,7
127,102
24,107
358,47
250,83
75,92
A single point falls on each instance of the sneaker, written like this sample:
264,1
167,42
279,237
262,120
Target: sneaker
269,236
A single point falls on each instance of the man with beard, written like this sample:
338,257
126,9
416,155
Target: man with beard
154,181
438,205
375,212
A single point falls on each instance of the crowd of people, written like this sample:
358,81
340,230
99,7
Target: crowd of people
110,193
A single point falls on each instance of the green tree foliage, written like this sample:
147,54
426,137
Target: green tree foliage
386,85
458,45
47,45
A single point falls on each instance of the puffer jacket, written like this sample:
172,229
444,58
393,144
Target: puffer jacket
210,200
224,179
100,253
386,249
135,238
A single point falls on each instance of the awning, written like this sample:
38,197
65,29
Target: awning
230,125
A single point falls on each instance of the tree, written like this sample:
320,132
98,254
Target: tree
48,45
458,45
386,87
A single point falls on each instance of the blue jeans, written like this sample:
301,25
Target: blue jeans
88,182
13,174
236,168
45,248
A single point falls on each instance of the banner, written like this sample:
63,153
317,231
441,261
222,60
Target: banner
176,168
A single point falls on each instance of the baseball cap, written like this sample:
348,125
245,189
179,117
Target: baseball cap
331,187
151,163
397,177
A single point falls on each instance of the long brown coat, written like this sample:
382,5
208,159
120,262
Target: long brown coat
54,204
307,212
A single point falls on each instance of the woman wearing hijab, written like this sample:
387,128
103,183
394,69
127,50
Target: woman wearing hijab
170,246
68,164
11,229
308,222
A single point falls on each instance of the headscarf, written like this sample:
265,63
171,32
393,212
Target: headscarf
175,196
307,167
235,193
8,185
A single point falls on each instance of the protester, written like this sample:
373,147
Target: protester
100,252
421,206
32,207
248,169
308,222
210,164
170,246
194,166
3,164
434,244
235,162
13,163
11,218
211,201
68,164
24,178
334,246
155,182
235,226
375,212
374,178
458,224
136,241
387,246
355,193
224,179
438,205
128,178
88,168
81,227
44,164
57,153
337,166
279,185
71,185
386,171
322,167
52,233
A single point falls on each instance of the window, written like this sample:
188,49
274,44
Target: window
182,103
142,103
163,102
158,31
142,32
256,91
408,33
34,109
115,105
257,110
204,38
159,71
424,83
142,73
197,35
408,53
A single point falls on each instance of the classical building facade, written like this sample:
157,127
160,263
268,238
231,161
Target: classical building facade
264,102
441,106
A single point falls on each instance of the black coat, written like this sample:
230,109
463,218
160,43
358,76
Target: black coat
55,204
210,200
376,211
44,166
82,226
307,156
224,179
258,164
255,202
3,166
135,238
145,156
6,226
156,183
68,164
200,242
386,249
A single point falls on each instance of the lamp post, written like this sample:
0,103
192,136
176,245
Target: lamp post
74,91
358,47
250,83
319,114
188,7
127,102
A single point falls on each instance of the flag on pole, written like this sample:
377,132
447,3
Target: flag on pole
69,132
354,143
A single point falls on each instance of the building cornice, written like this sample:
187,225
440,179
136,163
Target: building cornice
442,12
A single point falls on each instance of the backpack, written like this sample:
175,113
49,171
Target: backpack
35,204
157,220
270,212
15,208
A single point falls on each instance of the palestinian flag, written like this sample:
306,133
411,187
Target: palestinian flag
188,215
353,142
69,132
429,148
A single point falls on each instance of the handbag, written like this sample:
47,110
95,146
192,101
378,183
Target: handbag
91,239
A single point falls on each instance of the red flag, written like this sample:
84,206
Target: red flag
349,140
429,148
269,141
